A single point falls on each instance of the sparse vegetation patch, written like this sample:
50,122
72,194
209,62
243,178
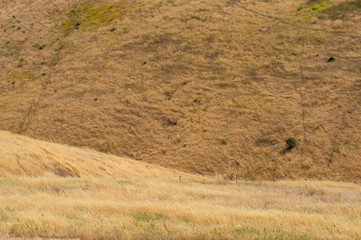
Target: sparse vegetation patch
315,10
147,217
39,46
89,15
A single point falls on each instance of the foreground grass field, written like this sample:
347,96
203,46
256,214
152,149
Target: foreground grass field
49,190
149,208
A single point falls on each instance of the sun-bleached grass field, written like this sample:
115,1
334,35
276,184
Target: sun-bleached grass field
151,208
49,190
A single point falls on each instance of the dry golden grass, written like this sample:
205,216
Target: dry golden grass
117,198
23,156
210,87
202,86
148,208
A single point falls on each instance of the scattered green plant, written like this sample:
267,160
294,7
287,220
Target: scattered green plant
197,100
313,11
217,233
319,7
147,217
20,77
61,46
39,46
90,15
3,217
331,59
291,142
246,231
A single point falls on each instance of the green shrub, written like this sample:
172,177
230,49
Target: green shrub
331,59
291,142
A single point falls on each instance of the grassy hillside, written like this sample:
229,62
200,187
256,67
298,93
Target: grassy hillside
201,86
23,156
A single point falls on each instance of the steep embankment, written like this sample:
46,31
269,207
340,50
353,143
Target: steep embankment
23,156
202,86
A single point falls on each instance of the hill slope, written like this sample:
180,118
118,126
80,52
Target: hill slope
202,86
23,156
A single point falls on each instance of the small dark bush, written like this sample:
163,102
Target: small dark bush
291,142
37,45
331,59
197,100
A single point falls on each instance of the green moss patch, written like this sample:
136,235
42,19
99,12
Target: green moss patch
313,10
20,77
90,15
